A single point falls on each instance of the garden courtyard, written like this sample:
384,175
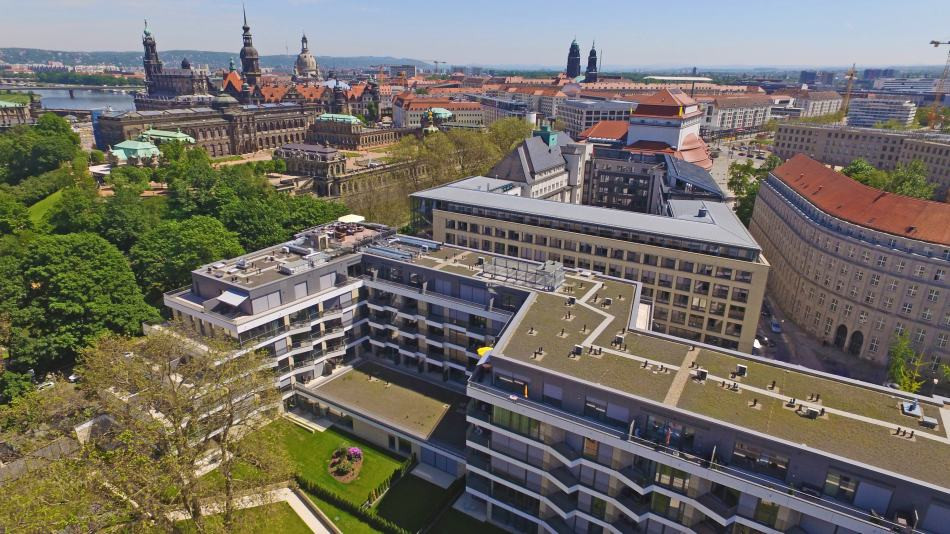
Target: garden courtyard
411,503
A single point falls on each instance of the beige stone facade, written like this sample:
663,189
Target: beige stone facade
849,285
696,296
838,145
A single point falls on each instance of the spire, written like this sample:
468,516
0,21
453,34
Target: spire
146,32
231,65
244,10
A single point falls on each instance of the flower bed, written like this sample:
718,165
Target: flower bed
345,464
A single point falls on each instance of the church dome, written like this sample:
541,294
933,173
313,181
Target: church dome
306,64
248,52
185,64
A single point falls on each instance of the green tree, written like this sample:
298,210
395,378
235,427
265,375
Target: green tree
164,257
305,211
507,133
867,174
905,364
258,222
14,216
911,180
79,209
74,288
124,218
744,181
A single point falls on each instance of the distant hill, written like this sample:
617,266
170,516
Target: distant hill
197,57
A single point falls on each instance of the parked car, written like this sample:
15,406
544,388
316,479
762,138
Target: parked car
776,327
45,385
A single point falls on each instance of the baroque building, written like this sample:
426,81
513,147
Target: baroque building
306,68
167,88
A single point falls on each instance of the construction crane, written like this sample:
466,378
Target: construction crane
850,75
939,87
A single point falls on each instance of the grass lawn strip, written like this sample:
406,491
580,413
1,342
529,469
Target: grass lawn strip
921,458
38,210
345,521
853,399
411,502
273,517
311,452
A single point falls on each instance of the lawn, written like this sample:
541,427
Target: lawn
311,452
16,98
411,502
458,523
274,517
38,211
345,521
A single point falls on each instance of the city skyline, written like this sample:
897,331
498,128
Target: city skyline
745,35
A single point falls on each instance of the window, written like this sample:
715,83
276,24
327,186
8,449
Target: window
766,512
875,280
834,305
866,256
919,335
907,308
933,295
942,339
887,303
920,271
882,261
515,422
839,486
926,314
869,298
590,448
847,310
669,477
879,323
859,275
899,329
912,290
900,265
863,317
873,345
892,285
760,460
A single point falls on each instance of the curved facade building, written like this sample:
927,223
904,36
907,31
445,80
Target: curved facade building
852,265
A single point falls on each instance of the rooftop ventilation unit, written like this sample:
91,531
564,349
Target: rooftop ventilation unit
702,212
702,374
741,370
303,251
578,350
241,264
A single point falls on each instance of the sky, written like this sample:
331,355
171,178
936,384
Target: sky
509,32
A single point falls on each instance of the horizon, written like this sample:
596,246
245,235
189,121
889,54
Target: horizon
836,39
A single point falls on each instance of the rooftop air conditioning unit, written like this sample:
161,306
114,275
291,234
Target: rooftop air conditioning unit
241,264
702,374
578,350
741,370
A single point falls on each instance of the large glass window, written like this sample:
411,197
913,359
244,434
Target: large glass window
516,422
840,486
759,460
672,478
766,512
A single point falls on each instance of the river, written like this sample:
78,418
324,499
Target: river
84,99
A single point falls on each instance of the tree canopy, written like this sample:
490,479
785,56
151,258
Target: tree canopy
32,150
164,256
744,181
72,289
908,179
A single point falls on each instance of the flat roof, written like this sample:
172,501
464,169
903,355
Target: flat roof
402,401
859,422
721,229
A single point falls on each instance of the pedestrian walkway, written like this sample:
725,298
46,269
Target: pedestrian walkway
683,375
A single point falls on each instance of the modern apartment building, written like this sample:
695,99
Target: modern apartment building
811,103
576,429
884,149
868,112
853,265
579,115
498,108
577,419
699,266
731,115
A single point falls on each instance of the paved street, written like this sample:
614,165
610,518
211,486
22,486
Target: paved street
720,170
793,345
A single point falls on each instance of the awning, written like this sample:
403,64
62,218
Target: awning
351,218
231,298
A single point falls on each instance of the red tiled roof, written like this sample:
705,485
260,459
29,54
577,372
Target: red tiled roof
310,92
667,97
606,130
852,201
233,79
273,93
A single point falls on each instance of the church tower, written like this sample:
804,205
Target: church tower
250,61
306,65
590,75
150,61
574,60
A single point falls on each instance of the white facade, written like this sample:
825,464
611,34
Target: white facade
579,115
871,111
669,130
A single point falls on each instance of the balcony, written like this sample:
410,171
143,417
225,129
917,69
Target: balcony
715,505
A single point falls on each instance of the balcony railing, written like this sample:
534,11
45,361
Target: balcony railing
700,459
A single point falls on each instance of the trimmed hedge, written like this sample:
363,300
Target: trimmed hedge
383,486
366,514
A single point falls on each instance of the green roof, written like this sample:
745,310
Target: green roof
339,117
137,149
5,104
165,135
441,113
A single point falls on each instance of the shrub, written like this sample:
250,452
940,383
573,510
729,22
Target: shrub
368,515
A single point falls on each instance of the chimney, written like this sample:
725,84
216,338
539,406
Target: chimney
702,212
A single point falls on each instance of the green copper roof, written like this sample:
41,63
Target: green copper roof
339,117
165,135
5,104
441,113
138,149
